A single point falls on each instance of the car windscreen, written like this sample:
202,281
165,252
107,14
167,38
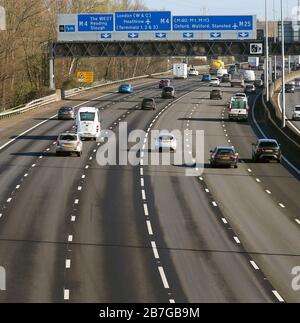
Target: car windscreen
226,152
289,86
168,89
148,101
269,144
68,137
66,109
125,85
297,108
87,116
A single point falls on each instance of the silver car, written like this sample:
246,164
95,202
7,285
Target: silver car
66,113
68,143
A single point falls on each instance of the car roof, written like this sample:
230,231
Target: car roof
165,133
268,140
87,109
225,147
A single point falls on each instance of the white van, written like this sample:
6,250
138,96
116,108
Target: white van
221,72
88,122
249,76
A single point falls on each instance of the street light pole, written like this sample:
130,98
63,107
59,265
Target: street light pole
283,67
267,50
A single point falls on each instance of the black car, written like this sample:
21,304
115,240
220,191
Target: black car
163,83
226,78
216,95
249,89
168,92
224,156
258,83
266,149
148,104
66,113
289,88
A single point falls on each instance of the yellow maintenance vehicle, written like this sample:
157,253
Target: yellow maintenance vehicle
214,65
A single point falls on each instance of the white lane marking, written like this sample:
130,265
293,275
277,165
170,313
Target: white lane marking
1,215
70,238
142,162
79,188
90,158
47,149
25,175
171,300
66,294
249,170
18,186
282,205
142,153
76,201
68,263
142,182
268,192
95,150
149,227
163,277
73,218
83,176
258,180
33,165
229,141
40,157
146,209
9,200
254,265
154,249
297,220
224,220
214,203
207,190
201,178
146,135
278,296
87,166
236,239
143,195
142,171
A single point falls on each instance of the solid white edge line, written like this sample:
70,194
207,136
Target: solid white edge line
149,227
254,265
282,205
264,135
68,263
278,296
163,277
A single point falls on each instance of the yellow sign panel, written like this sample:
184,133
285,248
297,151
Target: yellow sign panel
85,77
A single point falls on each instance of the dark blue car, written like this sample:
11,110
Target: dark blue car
206,77
125,88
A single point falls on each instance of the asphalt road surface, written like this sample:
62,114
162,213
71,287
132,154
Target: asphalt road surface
74,231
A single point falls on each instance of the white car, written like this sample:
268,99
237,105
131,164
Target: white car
68,143
193,72
296,113
166,141
214,82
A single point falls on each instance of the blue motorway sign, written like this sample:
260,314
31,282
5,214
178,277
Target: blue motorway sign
211,23
143,21
95,22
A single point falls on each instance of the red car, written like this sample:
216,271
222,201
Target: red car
163,83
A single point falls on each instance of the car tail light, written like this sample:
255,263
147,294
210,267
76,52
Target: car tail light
233,157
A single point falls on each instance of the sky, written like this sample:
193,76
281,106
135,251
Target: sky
224,7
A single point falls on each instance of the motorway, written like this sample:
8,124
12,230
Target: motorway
292,99
73,231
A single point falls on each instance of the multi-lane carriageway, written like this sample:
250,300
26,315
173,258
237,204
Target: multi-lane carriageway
72,231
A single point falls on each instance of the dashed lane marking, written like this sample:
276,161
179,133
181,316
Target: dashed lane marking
149,227
163,277
254,265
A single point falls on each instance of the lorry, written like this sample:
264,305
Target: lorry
238,108
253,62
180,70
215,65
249,76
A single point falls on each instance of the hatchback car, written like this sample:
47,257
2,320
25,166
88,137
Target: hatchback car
66,113
250,89
125,88
224,156
193,72
226,78
168,92
214,82
266,149
216,95
163,83
166,141
68,143
296,113
206,78
290,88
148,104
